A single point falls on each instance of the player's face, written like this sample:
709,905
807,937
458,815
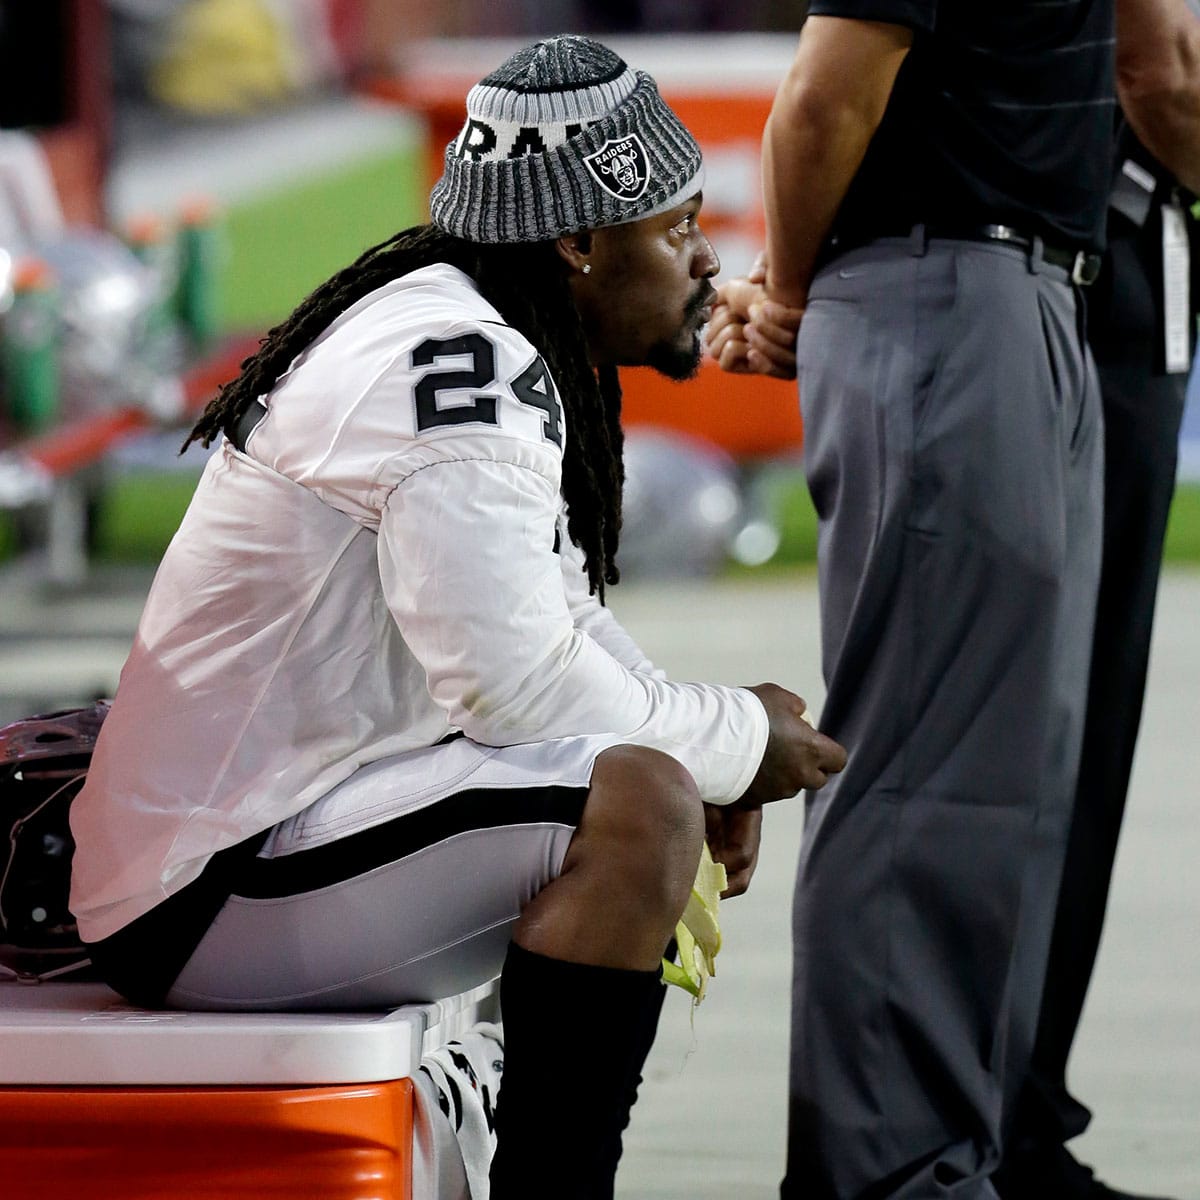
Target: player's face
648,294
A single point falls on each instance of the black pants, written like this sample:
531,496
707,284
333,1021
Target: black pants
1142,418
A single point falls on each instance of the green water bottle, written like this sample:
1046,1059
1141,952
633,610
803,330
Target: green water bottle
146,236
30,348
200,254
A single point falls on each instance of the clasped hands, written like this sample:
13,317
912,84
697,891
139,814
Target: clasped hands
751,334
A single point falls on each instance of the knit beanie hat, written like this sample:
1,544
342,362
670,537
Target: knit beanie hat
563,137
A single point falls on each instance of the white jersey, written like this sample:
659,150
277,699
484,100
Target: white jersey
386,564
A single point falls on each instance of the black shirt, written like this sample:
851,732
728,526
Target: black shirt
1002,112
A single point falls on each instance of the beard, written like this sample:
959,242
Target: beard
680,360
675,361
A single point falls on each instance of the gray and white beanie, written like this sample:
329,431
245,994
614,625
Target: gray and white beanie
563,137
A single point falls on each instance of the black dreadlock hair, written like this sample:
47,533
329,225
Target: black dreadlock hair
528,286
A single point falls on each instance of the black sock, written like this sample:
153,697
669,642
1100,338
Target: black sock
649,1031
575,1039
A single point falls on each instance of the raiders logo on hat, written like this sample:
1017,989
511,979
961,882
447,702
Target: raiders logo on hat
621,167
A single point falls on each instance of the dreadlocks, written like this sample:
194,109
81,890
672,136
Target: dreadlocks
527,285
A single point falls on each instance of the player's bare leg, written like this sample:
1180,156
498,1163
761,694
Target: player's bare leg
581,989
629,867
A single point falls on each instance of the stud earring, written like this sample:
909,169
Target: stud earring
587,268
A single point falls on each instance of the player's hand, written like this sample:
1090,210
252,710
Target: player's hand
733,836
797,756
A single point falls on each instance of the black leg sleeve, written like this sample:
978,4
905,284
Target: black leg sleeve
575,1040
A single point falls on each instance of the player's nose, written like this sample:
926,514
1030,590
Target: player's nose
706,263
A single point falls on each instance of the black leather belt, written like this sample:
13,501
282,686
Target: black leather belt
1083,266
244,426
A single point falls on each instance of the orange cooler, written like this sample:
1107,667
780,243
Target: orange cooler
99,1100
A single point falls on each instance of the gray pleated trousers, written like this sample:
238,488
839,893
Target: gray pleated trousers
954,452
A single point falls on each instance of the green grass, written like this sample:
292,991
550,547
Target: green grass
285,243
139,514
1183,526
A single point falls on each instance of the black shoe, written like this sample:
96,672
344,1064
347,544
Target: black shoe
1056,1176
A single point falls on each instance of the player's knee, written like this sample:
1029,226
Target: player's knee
658,791
652,808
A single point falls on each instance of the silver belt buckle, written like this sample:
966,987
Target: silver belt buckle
1081,276
1005,233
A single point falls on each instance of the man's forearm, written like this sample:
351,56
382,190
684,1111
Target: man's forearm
1171,133
809,160
824,116
1158,81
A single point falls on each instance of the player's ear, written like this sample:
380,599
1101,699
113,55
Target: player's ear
575,250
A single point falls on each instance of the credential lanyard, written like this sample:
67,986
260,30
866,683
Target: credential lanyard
1177,301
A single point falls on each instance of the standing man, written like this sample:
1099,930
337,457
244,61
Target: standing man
1142,316
1141,326
378,738
936,178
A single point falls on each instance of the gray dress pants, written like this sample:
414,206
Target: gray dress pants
953,439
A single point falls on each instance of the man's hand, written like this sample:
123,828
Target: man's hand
797,756
750,334
725,336
733,836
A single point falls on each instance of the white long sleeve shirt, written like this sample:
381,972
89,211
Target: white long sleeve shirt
380,568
